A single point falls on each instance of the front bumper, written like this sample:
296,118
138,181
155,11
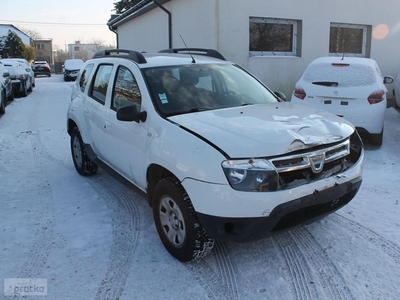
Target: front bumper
299,211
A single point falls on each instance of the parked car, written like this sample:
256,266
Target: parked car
396,92
41,67
350,87
19,77
219,155
6,89
71,68
24,63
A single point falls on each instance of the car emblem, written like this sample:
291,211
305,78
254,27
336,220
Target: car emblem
317,162
335,93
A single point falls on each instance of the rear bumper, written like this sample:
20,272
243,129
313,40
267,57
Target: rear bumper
303,210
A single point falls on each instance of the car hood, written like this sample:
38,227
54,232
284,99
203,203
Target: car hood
265,129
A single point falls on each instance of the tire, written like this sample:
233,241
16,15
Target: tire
177,224
394,101
49,75
3,104
83,165
11,97
376,139
24,90
30,87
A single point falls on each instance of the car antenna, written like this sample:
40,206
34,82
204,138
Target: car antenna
193,61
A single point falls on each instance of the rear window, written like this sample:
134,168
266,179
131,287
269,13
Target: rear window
342,75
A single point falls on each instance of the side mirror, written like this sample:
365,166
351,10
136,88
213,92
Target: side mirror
6,74
280,95
388,80
129,113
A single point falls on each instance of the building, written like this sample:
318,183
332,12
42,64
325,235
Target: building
44,50
275,40
82,51
5,30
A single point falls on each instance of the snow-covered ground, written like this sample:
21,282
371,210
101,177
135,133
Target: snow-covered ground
94,238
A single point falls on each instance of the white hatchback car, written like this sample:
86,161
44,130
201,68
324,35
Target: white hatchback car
396,92
349,87
218,154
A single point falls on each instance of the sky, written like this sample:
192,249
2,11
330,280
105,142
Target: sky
95,238
64,21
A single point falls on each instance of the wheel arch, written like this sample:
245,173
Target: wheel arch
154,174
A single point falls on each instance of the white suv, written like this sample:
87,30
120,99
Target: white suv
219,155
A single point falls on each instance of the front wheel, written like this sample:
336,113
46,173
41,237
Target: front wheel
177,224
83,164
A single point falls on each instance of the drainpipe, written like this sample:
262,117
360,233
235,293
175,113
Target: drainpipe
116,34
169,22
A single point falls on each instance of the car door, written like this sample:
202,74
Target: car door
126,141
94,107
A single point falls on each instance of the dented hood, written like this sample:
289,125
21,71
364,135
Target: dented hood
266,129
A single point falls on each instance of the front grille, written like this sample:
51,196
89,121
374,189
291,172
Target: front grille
319,163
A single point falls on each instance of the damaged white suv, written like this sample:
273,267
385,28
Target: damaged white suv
219,155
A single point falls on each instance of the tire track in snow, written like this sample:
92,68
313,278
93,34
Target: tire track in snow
125,230
388,247
301,274
221,284
125,224
331,281
226,269
45,219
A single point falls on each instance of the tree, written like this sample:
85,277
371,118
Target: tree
60,56
13,46
29,53
123,5
32,33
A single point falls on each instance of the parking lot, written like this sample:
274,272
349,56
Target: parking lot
94,237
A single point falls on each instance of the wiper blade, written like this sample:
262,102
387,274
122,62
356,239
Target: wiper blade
326,83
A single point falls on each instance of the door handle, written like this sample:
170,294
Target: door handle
85,110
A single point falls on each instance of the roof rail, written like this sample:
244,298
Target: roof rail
201,51
122,53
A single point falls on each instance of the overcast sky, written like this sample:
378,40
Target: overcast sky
63,21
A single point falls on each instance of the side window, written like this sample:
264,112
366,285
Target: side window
100,84
83,80
126,90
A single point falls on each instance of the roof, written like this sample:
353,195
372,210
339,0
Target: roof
139,9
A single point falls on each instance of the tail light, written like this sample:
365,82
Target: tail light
299,93
376,97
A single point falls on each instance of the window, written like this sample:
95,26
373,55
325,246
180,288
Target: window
83,79
126,91
76,48
100,84
349,40
274,37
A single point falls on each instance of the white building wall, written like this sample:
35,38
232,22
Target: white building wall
224,25
193,20
281,73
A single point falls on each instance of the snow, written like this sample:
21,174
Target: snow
94,238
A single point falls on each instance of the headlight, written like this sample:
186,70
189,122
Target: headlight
251,175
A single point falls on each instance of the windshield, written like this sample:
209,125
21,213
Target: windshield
192,88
